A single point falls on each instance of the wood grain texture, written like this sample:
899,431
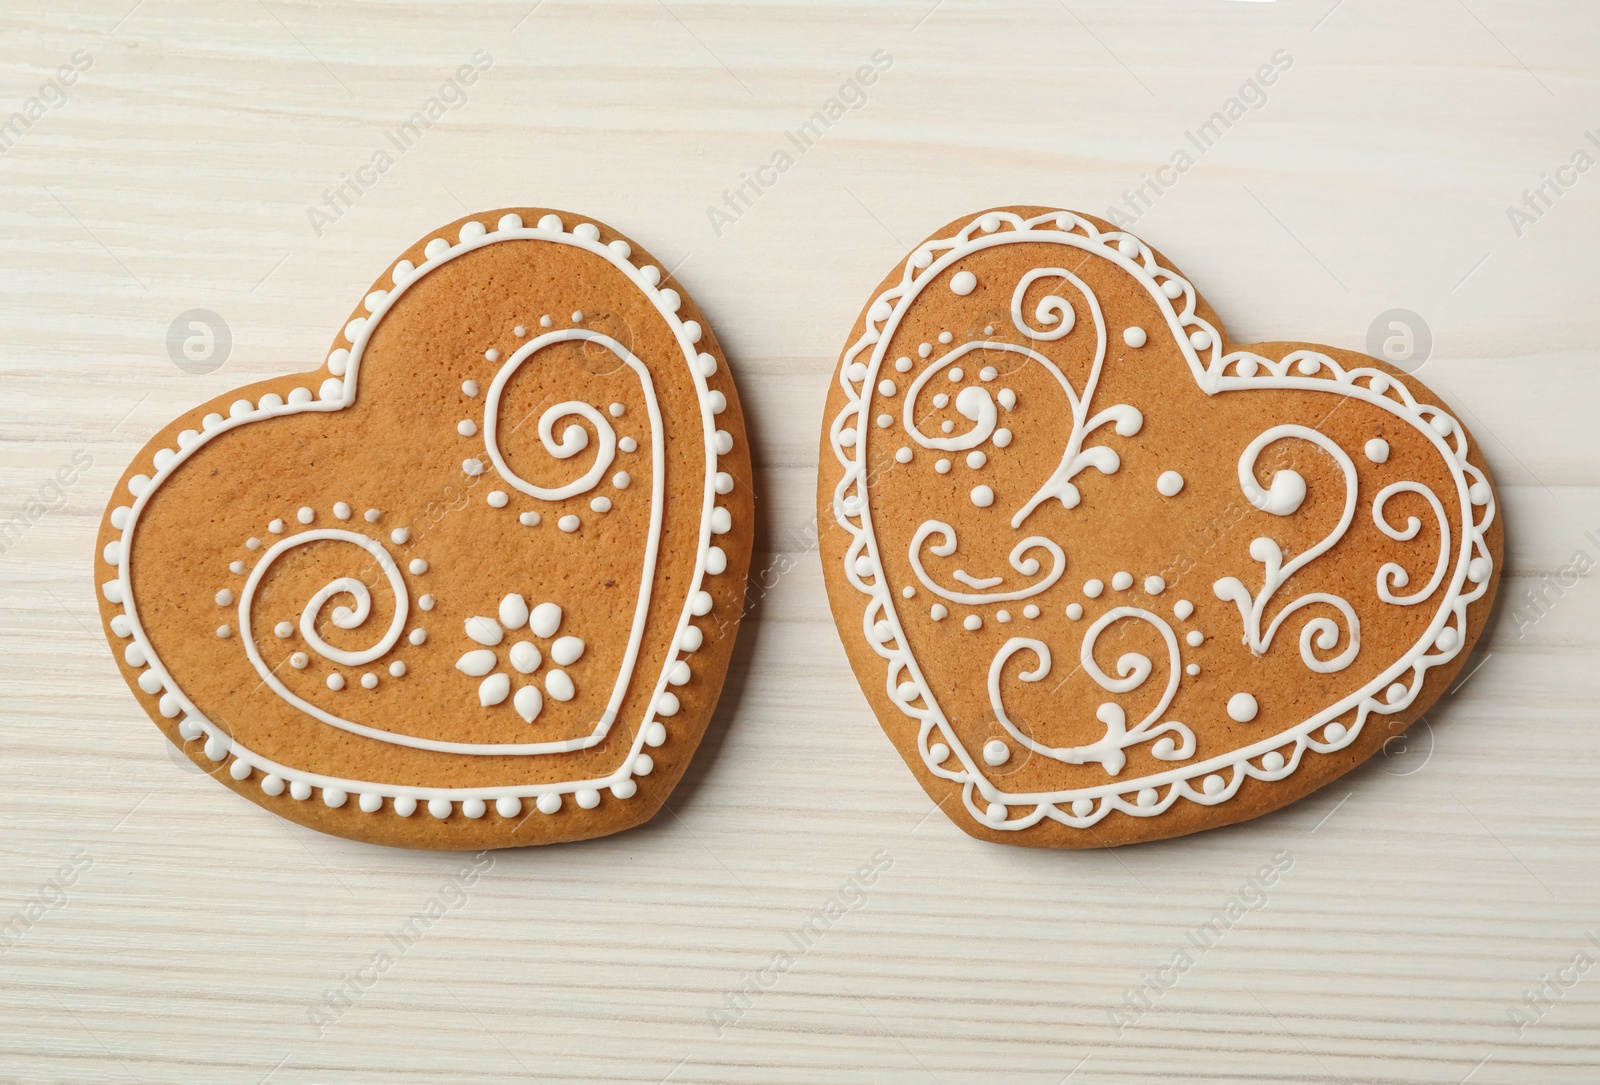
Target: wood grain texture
200,937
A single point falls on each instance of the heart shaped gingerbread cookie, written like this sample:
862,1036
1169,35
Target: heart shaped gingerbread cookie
1106,576
473,584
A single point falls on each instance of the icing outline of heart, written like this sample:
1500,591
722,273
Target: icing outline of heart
338,392
994,811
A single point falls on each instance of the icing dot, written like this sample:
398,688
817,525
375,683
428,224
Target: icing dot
885,421
1192,669
902,364
236,567
548,804
988,373
299,661
1200,339
1195,638
283,629
472,467
1395,692
372,516
1172,288
1093,588
559,686
397,668
963,283
947,426
1030,611
1147,796
996,752
529,519
545,321
1479,568
603,504
418,566
856,371
906,691
276,527
903,455
938,611
405,806
942,466
938,752
1154,585
1134,337
1448,639
577,314
976,459
300,790
252,543
1007,398
1273,761
466,427
1001,438
616,410
1333,732
723,482
508,806
886,387
497,499
369,681
1169,484
341,510
1441,424
1213,784
224,631
924,349
1479,493
1083,807
972,622
1122,581
418,636
621,480
306,514
425,603
1074,611
519,331
439,808
982,496
1183,608
545,620
335,681
655,734
224,598
955,373
941,400
1242,708
1377,450
1002,616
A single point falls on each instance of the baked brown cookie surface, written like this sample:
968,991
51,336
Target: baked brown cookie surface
1106,576
474,583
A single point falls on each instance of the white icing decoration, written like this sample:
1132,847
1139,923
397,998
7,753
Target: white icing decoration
1174,741
1287,491
1169,484
1213,779
1020,561
1242,708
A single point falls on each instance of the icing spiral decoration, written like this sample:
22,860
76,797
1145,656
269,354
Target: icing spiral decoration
1391,575
574,438
1020,561
1174,741
1283,497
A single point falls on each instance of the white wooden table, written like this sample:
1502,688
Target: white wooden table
1429,891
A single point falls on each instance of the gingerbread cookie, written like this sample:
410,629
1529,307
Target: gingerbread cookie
475,582
1106,576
